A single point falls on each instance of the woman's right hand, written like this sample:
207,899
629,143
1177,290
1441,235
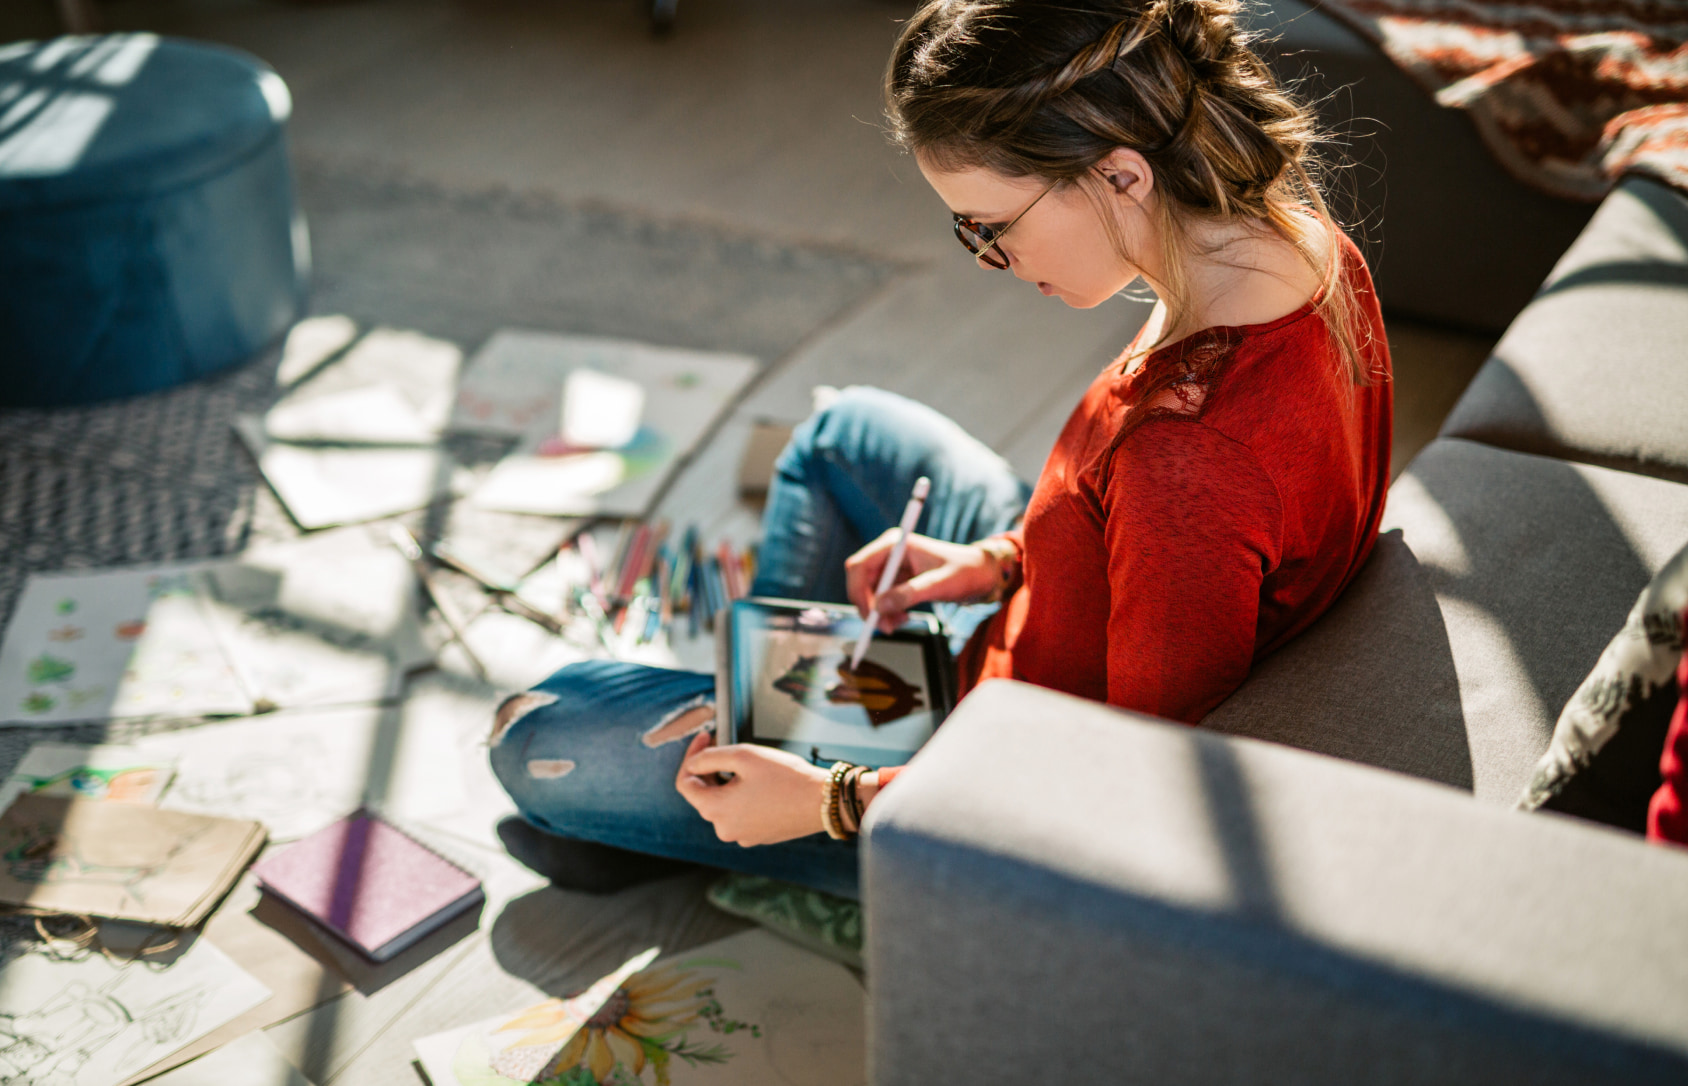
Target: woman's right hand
932,570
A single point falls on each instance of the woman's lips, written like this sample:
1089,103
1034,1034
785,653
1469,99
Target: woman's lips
1046,289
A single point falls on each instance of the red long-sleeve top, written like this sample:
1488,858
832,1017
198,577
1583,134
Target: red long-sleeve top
1156,570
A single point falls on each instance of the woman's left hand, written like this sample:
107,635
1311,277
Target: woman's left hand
772,796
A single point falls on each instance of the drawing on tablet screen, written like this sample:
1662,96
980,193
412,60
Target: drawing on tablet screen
880,691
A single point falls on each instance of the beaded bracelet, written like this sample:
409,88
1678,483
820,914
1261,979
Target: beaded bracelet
829,802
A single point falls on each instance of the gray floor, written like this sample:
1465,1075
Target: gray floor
757,117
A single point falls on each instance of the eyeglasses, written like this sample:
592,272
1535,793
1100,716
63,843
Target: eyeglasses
981,239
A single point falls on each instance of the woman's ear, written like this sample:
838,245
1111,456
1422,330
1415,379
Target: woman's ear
1128,173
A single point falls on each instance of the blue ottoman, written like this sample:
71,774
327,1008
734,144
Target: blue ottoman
149,233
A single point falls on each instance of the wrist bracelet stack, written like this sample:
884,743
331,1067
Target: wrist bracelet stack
841,803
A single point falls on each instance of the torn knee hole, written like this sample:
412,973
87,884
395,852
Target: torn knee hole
514,708
549,769
682,723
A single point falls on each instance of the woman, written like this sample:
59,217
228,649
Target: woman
1214,491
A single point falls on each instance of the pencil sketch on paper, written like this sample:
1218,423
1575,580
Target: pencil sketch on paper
42,854
295,772
94,1023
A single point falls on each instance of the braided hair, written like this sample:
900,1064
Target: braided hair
1049,88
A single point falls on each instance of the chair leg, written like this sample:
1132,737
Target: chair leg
78,16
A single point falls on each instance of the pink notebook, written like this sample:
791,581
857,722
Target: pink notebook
370,883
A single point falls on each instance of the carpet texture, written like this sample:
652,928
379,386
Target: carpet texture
161,477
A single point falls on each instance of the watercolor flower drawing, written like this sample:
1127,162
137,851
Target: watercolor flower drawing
613,1034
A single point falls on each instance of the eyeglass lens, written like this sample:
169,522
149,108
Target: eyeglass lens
976,236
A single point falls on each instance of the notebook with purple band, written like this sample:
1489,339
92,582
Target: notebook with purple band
370,883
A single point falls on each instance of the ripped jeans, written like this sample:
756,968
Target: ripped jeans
592,752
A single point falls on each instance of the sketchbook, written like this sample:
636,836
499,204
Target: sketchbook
750,1010
89,858
645,410
783,679
87,1021
371,884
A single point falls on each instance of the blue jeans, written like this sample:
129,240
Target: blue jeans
592,752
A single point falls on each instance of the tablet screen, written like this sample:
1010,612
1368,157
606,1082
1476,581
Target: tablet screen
794,688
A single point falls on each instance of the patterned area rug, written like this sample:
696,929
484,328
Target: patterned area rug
161,477
1569,95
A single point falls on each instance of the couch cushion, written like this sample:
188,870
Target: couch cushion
1593,369
1500,578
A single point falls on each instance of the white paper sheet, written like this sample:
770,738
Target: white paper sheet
392,387
376,415
750,1010
450,718
517,653
298,771
323,485
514,384
330,619
250,1061
117,773
90,1023
116,644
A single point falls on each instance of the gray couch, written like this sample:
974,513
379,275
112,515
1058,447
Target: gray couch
1325,883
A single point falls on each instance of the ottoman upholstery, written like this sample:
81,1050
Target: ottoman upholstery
148,228
1500,579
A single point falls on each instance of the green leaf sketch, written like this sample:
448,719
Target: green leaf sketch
67,606
38,702
50,669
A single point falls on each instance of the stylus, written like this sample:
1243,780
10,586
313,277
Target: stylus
911,513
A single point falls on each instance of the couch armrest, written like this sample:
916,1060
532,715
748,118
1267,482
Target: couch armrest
1058,892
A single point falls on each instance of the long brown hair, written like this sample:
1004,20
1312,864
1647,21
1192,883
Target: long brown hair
1048,88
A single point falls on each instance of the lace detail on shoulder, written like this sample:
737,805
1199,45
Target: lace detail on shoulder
1184,398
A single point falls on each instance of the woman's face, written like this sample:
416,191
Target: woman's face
1062,244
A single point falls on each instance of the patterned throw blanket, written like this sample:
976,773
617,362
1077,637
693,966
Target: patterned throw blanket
1568,94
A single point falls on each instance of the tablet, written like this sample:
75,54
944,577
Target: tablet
782,679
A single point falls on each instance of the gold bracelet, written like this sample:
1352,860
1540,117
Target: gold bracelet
829,802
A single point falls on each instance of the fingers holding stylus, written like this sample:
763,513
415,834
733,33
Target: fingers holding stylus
931,570
864,569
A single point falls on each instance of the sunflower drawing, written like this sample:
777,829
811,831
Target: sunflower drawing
615,1030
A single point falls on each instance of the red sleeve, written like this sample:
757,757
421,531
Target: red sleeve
1193,525
1667,814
